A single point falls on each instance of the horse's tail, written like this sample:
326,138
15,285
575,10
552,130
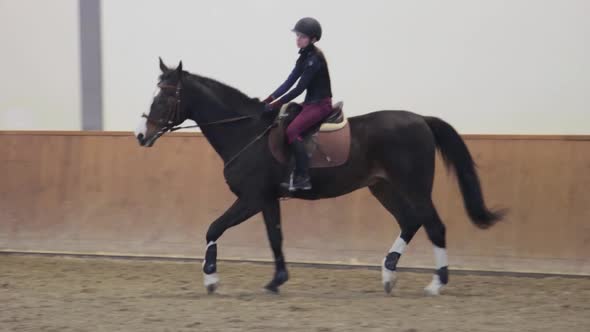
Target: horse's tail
457,157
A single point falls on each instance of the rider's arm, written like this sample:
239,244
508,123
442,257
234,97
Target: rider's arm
293,76
311,67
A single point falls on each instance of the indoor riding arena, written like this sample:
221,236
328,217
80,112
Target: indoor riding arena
100,231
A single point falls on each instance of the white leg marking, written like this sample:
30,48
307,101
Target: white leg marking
434,287
399,245
141,127
441,260
210,279
440,256
213,278
388,276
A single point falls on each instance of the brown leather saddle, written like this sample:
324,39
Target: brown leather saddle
327,143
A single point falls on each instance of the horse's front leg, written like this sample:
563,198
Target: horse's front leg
236,214
272,220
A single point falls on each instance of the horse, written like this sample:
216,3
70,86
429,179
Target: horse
391,152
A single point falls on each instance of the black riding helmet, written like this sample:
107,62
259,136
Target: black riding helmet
310,27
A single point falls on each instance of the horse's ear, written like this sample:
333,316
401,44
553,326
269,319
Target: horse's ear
163,67
179,68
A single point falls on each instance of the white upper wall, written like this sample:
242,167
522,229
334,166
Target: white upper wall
496,66
39,65
487,66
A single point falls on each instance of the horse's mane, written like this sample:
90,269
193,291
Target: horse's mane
224,93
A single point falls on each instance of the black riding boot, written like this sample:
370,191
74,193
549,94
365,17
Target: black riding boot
300,179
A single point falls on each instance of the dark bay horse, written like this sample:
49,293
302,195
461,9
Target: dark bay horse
392,153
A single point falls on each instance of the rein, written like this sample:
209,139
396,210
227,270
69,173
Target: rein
229,120
174,116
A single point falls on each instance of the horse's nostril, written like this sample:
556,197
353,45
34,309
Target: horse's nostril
140,139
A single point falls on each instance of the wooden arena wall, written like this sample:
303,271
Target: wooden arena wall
100,193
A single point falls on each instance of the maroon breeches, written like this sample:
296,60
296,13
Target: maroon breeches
310,115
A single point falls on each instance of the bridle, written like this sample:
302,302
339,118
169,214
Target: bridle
174,117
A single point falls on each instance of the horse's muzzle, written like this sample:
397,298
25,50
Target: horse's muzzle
148,142
141,139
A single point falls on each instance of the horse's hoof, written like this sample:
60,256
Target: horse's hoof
389,284
388,287
211,281
431,292
433,289
272,289
211,289
389,278
279,279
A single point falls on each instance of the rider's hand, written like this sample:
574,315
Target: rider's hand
268,108
268,100
273,106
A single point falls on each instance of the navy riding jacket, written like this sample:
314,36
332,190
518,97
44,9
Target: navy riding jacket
311,69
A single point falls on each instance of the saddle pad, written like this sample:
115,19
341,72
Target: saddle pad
333,147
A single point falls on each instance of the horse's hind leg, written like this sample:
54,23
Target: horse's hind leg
410,216
400,209
436,233
409,199
422,212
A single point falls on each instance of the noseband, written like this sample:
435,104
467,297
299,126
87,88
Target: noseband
173,114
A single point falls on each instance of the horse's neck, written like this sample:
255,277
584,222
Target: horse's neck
227,138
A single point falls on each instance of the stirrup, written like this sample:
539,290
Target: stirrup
305,185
